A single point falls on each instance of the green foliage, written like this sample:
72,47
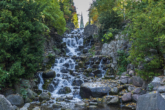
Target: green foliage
122,62
150,87
146,32
21,39
52,15
92,50
110,24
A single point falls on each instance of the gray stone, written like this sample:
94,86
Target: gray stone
80,104
44,96
36,108
64,90
5,104
77,82
49,74
127,97
137,91
129,80
57,106
31,94
113,100
161,89
15,99
156,82
137,81
94,89
151,101
131,88
114,90
90,30
124,81
135,97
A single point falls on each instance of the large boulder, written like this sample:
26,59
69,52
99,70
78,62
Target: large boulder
151,101
137,81
15,99
112,100
49,74
96,89
5,104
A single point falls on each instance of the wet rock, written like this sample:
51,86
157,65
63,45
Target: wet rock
80,104
77,82
66,65
64,70
92,107
36,108
64,90
95,89
137,81
15,99
57,105
49,74
44,96
114,90
50,88
113,100
5,104
85,50
92,103
151,101
127,97
69,97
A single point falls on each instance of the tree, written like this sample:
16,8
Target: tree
146,32
22,39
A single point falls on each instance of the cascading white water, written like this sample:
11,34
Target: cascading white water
63,65
41,81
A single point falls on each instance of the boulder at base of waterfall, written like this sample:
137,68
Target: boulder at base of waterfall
77,82
15,99
49,74
95,89
64,90
151,101
5,104
137,81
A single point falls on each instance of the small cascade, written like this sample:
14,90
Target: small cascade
41,81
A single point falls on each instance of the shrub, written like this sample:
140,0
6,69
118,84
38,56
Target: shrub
21,46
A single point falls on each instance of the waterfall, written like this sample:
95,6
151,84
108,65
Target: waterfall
41,81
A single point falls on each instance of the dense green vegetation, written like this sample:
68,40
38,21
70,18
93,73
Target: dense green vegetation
145,30
23,27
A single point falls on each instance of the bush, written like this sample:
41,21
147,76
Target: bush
21,46
122,62
110,24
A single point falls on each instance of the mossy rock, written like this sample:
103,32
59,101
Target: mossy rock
46,83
